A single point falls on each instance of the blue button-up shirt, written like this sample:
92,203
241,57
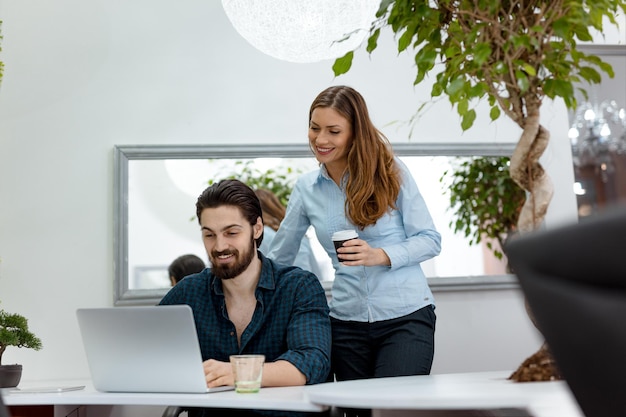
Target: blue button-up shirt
290,321
407,235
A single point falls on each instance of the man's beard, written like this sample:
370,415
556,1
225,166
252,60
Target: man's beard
229,271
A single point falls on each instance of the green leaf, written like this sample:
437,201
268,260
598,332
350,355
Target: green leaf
500,68
343,64
521,41
425,58
590,74
372,41
560,88
455,86
583,34
561,27
477,90
462,106
494,113
437,90
384,5
481,53
529,69
452,51
606,67
468,119
522,81
405,39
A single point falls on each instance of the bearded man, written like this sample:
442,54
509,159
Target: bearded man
248,304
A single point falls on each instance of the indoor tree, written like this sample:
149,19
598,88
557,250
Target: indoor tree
514,54
472,182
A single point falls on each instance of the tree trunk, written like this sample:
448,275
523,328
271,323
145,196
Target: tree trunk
528,173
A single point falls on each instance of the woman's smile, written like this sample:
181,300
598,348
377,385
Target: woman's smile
323,151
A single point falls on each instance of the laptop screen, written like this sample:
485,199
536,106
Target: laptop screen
143,349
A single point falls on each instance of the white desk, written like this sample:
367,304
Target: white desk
448,394
284,398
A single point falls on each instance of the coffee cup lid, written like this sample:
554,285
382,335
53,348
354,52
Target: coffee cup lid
344,235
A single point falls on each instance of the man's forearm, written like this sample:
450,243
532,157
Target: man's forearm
282,373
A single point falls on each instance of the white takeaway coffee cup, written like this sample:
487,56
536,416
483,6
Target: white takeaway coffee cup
342,236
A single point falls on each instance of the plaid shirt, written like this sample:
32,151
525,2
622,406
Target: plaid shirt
290,321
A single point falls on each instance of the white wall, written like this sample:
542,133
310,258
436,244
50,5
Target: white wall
83,76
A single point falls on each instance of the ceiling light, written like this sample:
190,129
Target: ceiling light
302,30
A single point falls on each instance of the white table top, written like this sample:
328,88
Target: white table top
470,391
283,398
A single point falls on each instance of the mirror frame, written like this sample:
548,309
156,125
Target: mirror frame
125,153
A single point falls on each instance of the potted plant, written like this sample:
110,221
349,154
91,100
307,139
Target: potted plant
514,54
14,332
474,181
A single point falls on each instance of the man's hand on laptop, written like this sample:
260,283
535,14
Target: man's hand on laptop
218,373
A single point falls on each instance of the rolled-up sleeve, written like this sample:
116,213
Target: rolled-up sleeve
309,333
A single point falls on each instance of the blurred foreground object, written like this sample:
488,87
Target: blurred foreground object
574,279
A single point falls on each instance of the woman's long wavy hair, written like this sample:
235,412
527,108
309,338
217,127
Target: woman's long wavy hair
373,177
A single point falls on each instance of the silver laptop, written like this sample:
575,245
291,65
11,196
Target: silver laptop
143,349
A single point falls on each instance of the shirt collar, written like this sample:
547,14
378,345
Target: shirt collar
266,281
323,175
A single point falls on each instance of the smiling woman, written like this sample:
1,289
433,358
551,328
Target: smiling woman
156,189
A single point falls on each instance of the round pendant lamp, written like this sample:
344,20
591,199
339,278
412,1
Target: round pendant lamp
302,30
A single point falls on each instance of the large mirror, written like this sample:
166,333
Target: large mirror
154,215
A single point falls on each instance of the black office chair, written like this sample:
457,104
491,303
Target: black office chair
574,279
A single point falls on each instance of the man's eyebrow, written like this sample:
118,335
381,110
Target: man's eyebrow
230,226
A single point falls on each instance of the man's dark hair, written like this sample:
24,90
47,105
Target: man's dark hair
232,193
